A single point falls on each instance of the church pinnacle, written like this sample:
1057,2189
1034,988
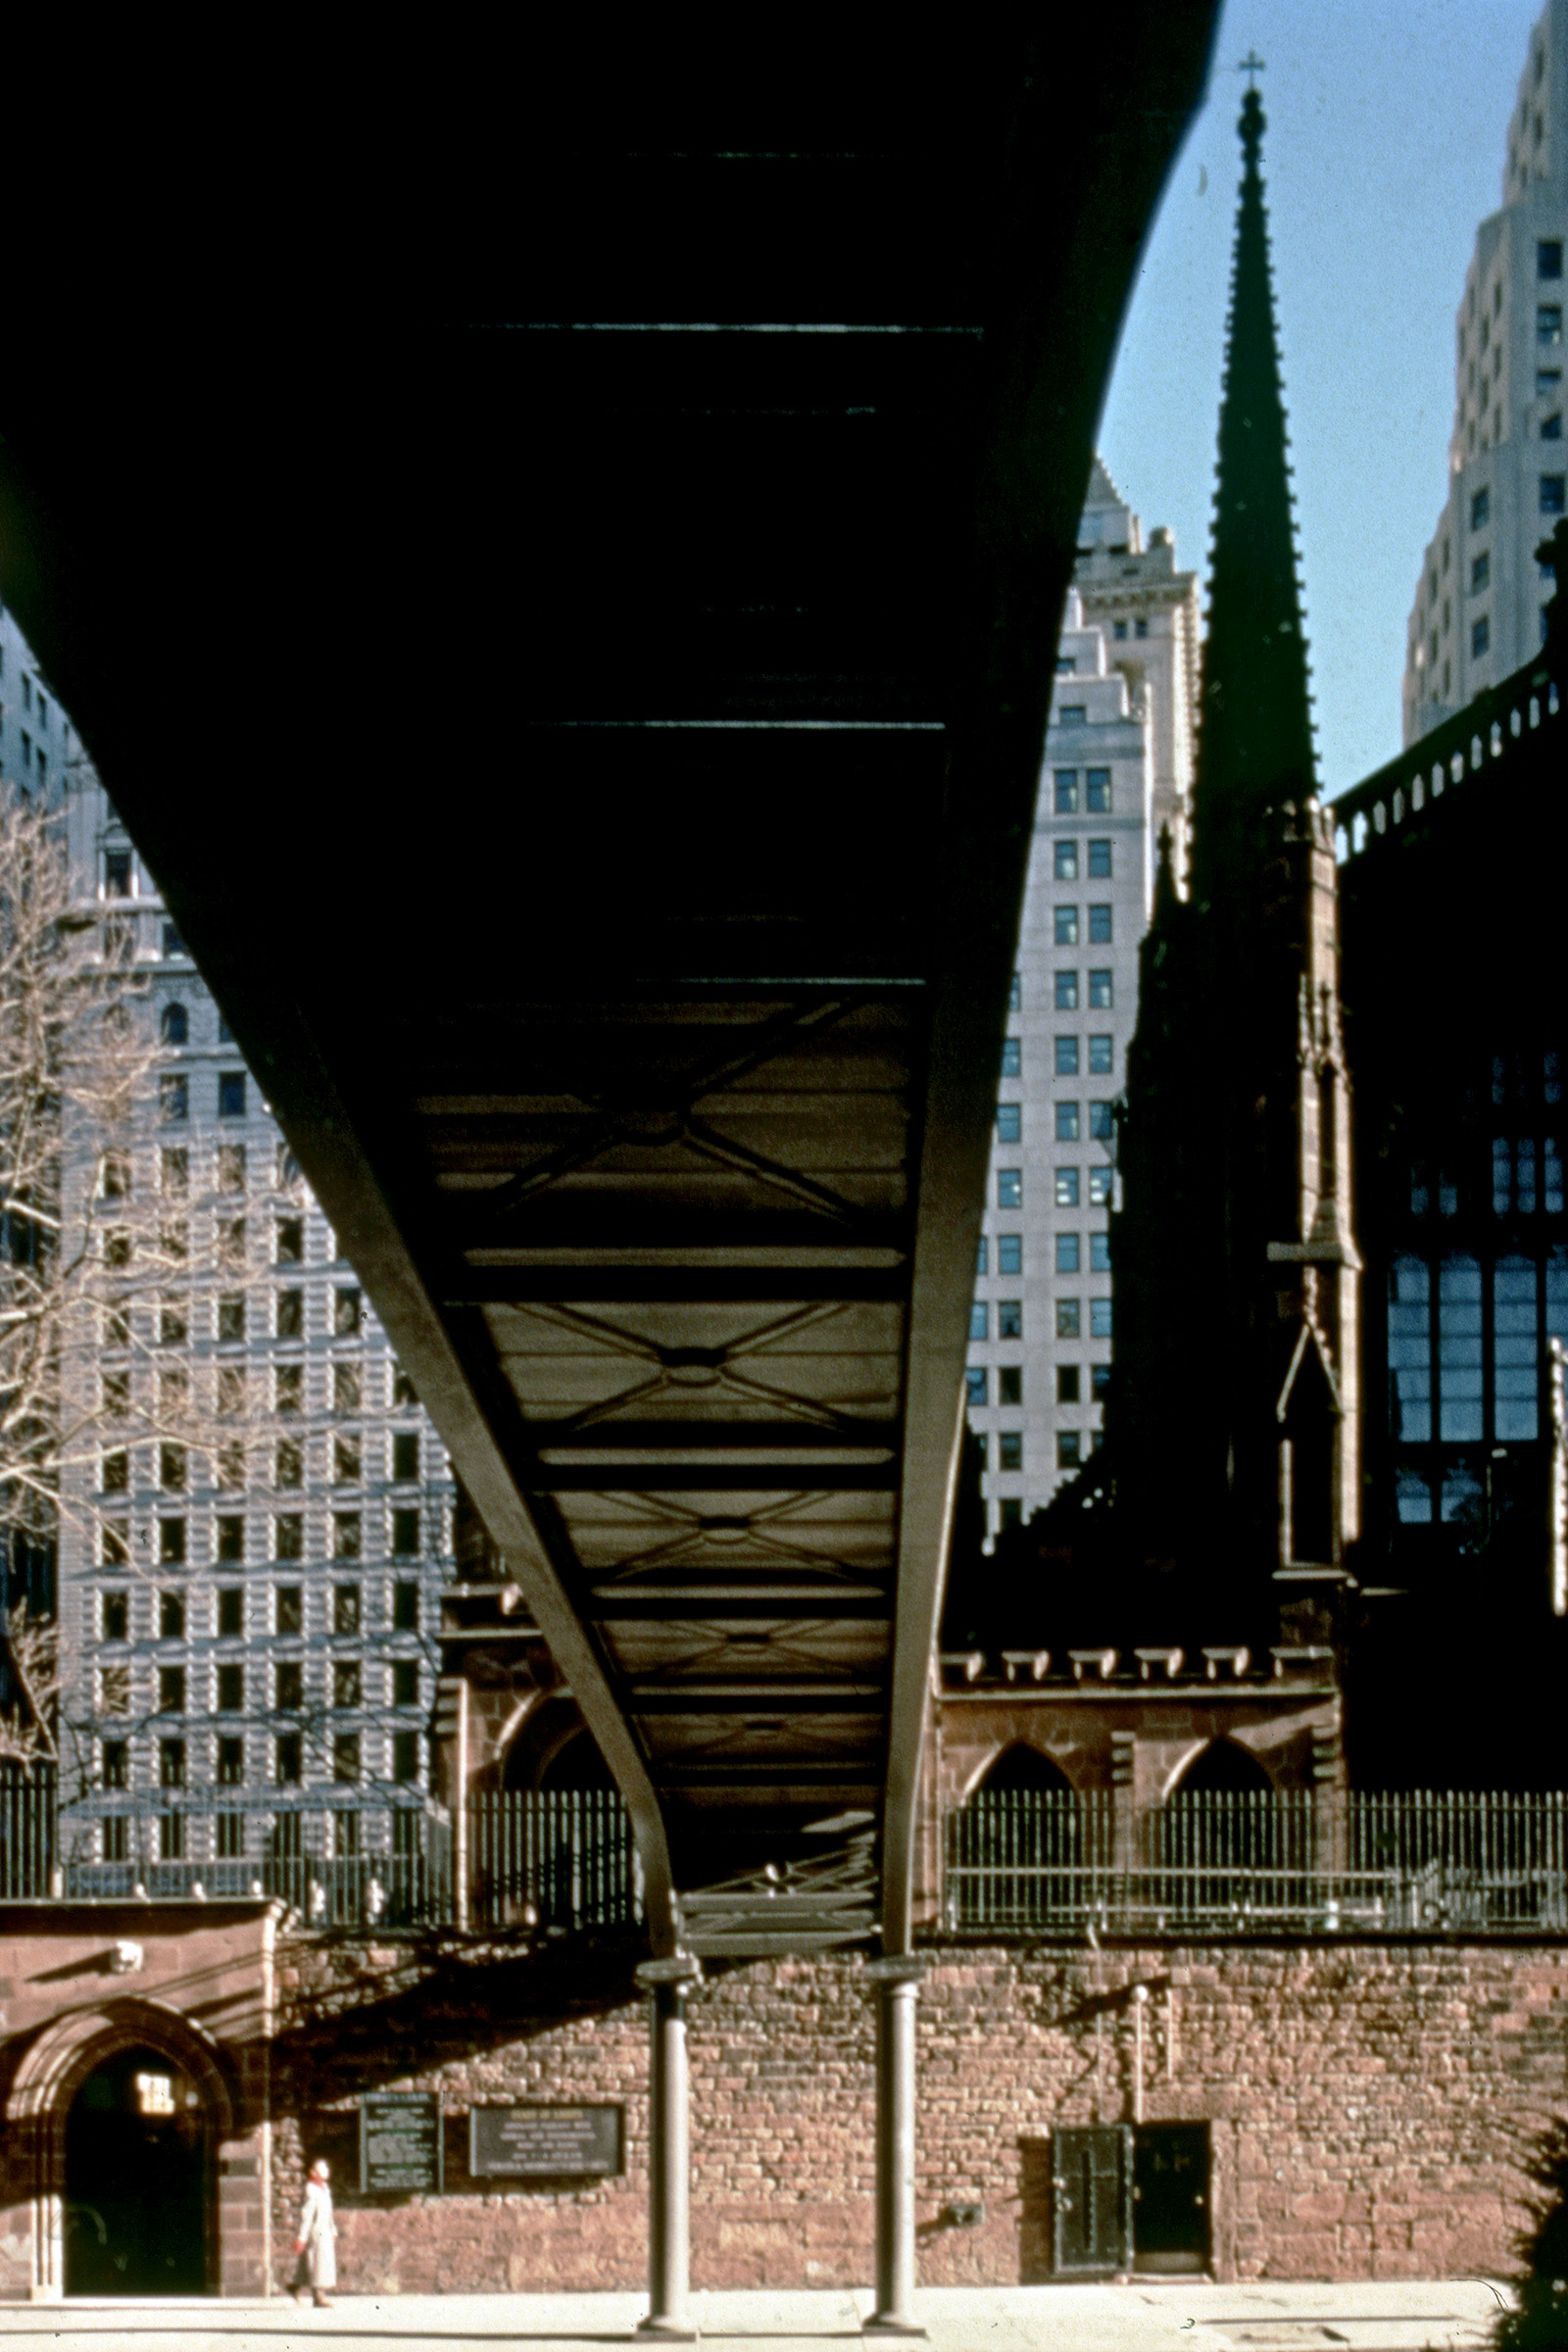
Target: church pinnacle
1256,739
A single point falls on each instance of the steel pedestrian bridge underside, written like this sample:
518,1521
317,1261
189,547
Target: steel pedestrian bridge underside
614,628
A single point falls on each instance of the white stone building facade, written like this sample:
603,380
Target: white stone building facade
1478,613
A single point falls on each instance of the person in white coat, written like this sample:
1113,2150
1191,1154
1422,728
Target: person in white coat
316,2242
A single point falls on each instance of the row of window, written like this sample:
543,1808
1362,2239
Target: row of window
230,1683
1095,785
1527,1177
285,1614
1064,927
1070,1452
285,1310
231,1165
288,1765
1140,629
1101,987
180,1833
173,1096
1009,1383
352,1532
1064,859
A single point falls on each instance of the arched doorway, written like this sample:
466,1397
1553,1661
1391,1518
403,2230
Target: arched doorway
138,2180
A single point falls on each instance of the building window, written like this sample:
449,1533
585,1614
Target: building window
1100,1319
406,1454
1102,1122
1480,574
114,1690
1066,920
346,1757
287,1612
1067,1188
1100,862
1011,1514
288,1686
406,1681
1101,1056
347,1307
1554,492
1069,1324
289,1315
404,1609
230,1842
1066,795
347,1691
231,1689
979,1321
230,1234
1099,1254
113,1616
1515,1413
347,1459
1066,992
346,1387
1549,257
1068,1123
1067,1383
1140,627
1009,1123
1097,795
1072,715
1068,1254
289,1241
286,1753
1015,993
171,1616
405,1534
346,1535
982,1256
345,1608
171,1836
1480,516
1100,1382
1480,637
173,945
1010,1449
115,1769
114,1475
171,1762
1064,860
232,1094
230,1612
173,1097
1069,1449
171,1539
115,1837
1552,427
1120,632
1066,1057
232,1315
117,870
404,1757
1099,933
1547,380
1009,1318
1010,1188
1100,990
288,1388
175,1025
1009,1385
1010,1253
230,1763
288,1463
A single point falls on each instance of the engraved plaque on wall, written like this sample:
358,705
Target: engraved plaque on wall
535,2142
400,2142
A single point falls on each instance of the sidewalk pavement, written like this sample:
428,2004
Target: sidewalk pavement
1146,2315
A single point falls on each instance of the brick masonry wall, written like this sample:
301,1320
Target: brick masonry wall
1371,2106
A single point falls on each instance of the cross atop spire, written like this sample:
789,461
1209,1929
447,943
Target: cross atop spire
1252,65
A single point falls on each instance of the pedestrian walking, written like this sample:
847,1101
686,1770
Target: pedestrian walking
315,2246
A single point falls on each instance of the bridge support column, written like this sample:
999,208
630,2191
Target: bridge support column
670,2170
898,1989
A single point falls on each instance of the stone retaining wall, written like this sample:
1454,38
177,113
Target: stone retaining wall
1371,2105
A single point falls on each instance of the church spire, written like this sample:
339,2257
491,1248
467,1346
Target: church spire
1256,741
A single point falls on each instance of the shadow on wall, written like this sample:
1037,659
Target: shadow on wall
1541,2321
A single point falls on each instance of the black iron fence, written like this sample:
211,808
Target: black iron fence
1239,1863
28,1816
558,1859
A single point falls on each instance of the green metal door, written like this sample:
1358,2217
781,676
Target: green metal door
1092,2199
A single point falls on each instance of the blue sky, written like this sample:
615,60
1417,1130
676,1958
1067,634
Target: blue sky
1386,125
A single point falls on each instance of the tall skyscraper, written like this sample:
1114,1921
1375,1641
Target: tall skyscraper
1479,602
1117,770
248,1622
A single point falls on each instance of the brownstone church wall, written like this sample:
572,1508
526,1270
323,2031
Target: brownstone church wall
1371,2106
